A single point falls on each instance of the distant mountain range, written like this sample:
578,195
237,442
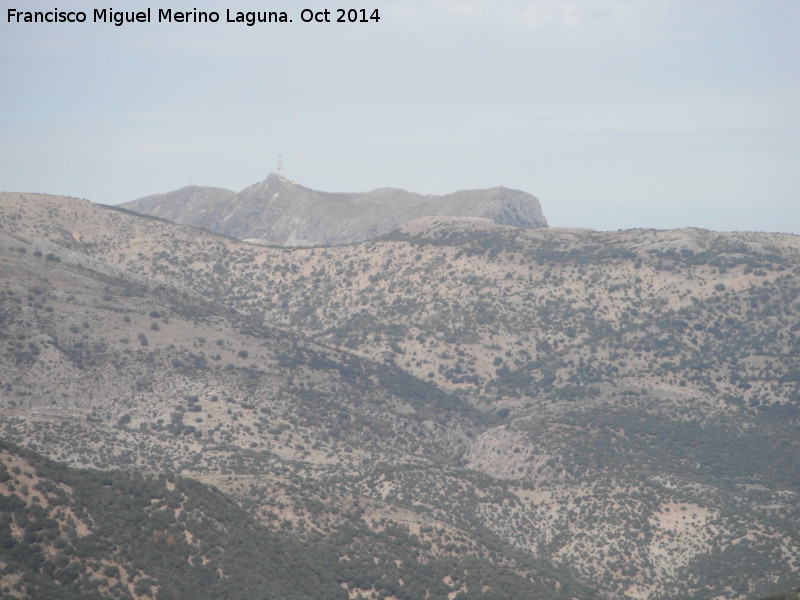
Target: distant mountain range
279,212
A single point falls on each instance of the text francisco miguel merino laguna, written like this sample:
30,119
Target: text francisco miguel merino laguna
168,15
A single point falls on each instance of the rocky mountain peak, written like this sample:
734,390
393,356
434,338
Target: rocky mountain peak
282,212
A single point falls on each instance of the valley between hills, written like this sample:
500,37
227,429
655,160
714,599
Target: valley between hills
456,408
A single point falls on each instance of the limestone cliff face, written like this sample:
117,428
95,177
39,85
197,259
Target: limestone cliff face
277,211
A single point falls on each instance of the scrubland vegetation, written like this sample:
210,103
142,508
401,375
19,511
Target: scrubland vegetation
457,410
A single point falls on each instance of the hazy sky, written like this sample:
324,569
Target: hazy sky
614,113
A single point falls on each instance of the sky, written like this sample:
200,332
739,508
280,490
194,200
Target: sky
613,113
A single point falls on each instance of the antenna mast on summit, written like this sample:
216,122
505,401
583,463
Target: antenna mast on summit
280,166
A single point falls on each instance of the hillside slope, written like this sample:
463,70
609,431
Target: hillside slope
71,533
622,404
80,534
105,368
190,205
